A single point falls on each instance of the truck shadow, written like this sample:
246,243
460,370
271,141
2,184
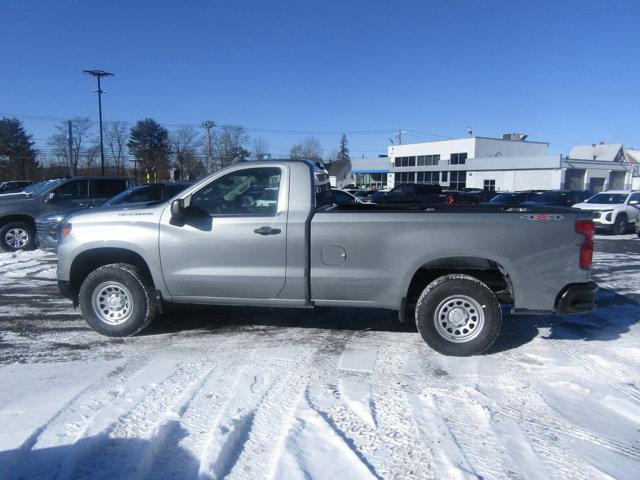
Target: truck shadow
613,318
101,456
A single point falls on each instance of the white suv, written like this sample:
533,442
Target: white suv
613,210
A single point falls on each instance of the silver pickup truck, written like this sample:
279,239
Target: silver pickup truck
267,234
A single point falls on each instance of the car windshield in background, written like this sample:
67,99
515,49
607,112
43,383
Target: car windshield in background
549,197
608,198
141,194
40,187
505,198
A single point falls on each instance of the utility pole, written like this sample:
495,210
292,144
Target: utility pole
99,74
399,135
72,172
208,125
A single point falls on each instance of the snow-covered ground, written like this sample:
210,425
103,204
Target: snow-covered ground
333,393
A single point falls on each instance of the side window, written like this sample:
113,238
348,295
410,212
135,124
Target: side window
251,192
106,188
74,190
634,196
342,198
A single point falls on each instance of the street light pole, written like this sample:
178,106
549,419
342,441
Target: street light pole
99,74
208,125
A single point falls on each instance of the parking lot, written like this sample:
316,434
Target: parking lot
284,393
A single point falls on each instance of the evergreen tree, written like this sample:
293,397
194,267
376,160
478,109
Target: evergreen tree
149,144
17,155
343,152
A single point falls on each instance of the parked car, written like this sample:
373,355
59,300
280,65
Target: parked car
364,196
214,245
560,198
413,193
14,186
614,210
49,225
18,211
513,198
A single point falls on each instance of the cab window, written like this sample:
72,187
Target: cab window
248,192
73,190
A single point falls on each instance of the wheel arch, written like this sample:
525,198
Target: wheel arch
18,217
89,260
491,272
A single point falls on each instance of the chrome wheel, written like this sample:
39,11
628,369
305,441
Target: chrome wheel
111,302
459,318
16,238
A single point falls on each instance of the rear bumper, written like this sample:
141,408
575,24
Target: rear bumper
577,298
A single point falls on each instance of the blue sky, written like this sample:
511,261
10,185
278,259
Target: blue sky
567,72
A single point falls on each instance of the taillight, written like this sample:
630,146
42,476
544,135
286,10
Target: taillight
588,229
450,200
66,230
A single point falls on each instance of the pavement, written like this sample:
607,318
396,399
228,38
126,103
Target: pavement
216,392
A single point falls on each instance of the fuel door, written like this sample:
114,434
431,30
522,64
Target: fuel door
333,256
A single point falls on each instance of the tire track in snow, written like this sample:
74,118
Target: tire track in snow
411,458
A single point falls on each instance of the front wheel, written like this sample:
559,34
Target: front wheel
118,300
458,315
620,226
16,236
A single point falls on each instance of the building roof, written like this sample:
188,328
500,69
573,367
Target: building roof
606,152
633,156
340,169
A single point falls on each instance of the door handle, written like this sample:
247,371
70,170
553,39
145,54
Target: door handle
267,231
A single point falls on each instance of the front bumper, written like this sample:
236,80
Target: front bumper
577,298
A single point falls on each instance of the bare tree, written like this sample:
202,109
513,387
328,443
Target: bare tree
185,142
260,147
116,136
230,144
310,149
59,141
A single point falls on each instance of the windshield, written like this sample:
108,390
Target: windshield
505,198
608,198
40,187
144,193
550,197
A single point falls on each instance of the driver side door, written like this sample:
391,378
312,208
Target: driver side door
231,242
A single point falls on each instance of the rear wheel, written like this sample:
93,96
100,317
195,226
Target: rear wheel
16,236
620,225
118,300
458,315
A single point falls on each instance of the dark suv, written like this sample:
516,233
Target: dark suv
18,211
560,198
411,193
50,224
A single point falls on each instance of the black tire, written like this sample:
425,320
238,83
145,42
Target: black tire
6,234
126,282
620,226
472,300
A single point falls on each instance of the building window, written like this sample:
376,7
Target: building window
405,162
490,185
445,177
458,158
458,180
428,177
428,160
404,177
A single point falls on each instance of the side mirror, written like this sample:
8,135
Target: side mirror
51,197
633,202
177,208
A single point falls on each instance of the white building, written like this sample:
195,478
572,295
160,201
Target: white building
507,164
